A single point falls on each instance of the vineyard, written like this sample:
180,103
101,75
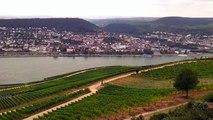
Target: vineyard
26,111
164,77
203,68
118,96
108,100
14,97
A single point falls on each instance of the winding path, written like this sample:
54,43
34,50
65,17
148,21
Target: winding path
96,86
93,88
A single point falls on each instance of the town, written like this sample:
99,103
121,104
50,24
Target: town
51,42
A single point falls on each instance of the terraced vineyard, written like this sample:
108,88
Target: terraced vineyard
108,100
14,97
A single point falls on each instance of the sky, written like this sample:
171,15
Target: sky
106,8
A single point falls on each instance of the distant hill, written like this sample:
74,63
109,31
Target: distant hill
68,24
180,21
121,28
167,24
105,22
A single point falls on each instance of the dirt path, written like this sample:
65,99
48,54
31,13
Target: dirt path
169,103
13,88
175,101
95,87
83,71
167,65
148,115
59,106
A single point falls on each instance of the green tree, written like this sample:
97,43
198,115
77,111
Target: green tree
186,80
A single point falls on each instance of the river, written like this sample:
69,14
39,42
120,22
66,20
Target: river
29,69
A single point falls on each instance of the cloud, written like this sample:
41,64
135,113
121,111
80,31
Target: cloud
99,8
206,0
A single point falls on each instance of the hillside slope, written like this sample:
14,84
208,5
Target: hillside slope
167,24
107,21
180,21
68,24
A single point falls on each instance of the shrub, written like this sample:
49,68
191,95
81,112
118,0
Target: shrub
160,116
208,97
140,117
194,110
199,105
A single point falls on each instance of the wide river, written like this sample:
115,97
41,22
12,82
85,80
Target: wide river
29,69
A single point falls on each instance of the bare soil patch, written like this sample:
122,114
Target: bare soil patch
150,109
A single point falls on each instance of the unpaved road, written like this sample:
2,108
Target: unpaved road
167,104
96,86
93,88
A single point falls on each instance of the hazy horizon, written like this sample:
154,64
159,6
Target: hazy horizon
88,18
100,9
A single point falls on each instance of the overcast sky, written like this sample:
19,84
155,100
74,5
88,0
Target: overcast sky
106,8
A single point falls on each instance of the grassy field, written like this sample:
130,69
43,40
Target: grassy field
108,100
138,82
164,78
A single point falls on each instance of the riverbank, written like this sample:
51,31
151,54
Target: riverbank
54,77
13,55
15,70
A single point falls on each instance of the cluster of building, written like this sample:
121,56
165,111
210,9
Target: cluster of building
44,41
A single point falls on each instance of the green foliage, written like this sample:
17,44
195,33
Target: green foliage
160,116
197,105
167,24
140,118
137,118
203,68
196,110
108,100
14,97
208,97
186,80
61,24
26,111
